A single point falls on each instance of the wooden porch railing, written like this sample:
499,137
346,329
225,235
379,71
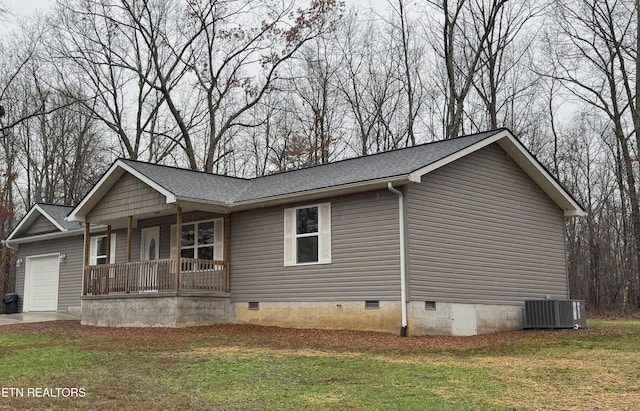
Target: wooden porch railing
156,276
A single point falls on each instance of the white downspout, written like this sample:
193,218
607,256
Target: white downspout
9,246
403,273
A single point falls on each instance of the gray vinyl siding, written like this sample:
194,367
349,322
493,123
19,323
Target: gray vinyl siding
41,225
128,196
70,279
481,231
365,254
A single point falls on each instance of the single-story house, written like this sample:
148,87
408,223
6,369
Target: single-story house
449,237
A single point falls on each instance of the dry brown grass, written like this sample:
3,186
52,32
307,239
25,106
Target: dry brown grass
597,368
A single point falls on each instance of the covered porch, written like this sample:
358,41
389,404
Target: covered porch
156,248
169,269
198,252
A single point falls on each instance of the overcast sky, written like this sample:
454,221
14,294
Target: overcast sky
25,8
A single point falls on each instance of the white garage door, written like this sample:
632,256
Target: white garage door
41,283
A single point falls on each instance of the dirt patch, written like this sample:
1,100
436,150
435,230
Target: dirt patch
275,337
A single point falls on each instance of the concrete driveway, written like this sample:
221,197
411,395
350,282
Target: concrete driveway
19,318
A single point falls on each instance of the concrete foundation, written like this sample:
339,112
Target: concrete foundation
342,315
182,311
155,310
462,319
75,311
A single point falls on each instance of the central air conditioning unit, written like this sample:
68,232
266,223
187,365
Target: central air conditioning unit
554,314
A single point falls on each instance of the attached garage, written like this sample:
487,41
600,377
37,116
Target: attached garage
42,275
49,260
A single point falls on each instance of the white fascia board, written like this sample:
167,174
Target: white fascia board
89,201
43,237
51,236
416,176
521,156
26,220
204,205
321,193
106,182
30,218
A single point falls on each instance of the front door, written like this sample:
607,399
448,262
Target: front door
149,250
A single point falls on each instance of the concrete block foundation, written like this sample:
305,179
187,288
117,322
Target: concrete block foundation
155,310
160,310
462,319
337,315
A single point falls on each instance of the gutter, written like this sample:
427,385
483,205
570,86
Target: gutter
403,273
8,245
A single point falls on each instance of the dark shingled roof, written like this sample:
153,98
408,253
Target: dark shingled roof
228,190
192,184
357,170
58,213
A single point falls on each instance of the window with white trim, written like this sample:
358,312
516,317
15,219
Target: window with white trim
307,235
98,250
201,239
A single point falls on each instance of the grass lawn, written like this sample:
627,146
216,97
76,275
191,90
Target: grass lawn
265,368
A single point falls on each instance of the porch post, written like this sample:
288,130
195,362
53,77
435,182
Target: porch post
178,244
87,246
129,234
87,243
108,244
126,271
107,274
227,250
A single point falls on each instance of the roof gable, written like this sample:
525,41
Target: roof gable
42,219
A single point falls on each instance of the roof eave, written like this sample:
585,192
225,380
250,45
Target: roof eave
209,205
320,193
30,218
521,156
43,237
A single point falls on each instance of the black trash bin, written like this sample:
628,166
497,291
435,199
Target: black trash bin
10,302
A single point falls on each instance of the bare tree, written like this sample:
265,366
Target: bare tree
110,70
370,81
593,56
504,82
412,56
239,38
464,30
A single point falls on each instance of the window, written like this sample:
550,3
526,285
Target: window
203,240
307,237
98,250
197,240
371,304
